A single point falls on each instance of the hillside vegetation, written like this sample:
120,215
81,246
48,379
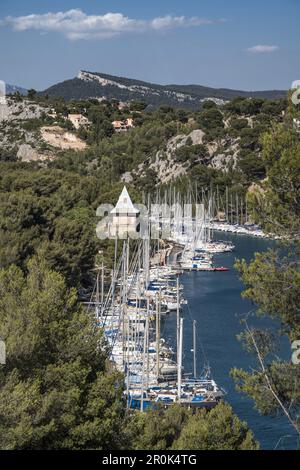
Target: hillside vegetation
58,389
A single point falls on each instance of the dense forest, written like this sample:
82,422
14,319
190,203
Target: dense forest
57,389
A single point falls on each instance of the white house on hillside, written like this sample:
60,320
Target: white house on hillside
78,120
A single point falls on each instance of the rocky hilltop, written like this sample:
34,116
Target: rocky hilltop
103,86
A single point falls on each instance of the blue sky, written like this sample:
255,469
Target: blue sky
234,44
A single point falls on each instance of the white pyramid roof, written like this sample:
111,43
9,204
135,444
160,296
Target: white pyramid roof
124,204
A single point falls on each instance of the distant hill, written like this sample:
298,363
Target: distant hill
13,88
100,85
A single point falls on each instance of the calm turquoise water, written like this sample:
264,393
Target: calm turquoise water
216,304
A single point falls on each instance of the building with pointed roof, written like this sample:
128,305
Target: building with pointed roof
124,217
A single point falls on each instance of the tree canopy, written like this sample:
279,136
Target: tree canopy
178,428
57,390
272,279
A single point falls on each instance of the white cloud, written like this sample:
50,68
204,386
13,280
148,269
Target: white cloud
262,49
166,22
75,24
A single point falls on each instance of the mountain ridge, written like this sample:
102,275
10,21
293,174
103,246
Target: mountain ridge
104,86
10,89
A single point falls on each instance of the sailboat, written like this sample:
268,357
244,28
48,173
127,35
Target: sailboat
130,315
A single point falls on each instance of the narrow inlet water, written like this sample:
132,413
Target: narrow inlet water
216,304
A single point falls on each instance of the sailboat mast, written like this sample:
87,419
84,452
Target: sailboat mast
157,336
147,339
194,348
123,304
177,317
102,287
97,296
179,364
227,212
144,364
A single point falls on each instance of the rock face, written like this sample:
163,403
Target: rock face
167,169
58,137
28,154
127,177
196,136
32,142
257,189
16,111
15,139
181,140
223,161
